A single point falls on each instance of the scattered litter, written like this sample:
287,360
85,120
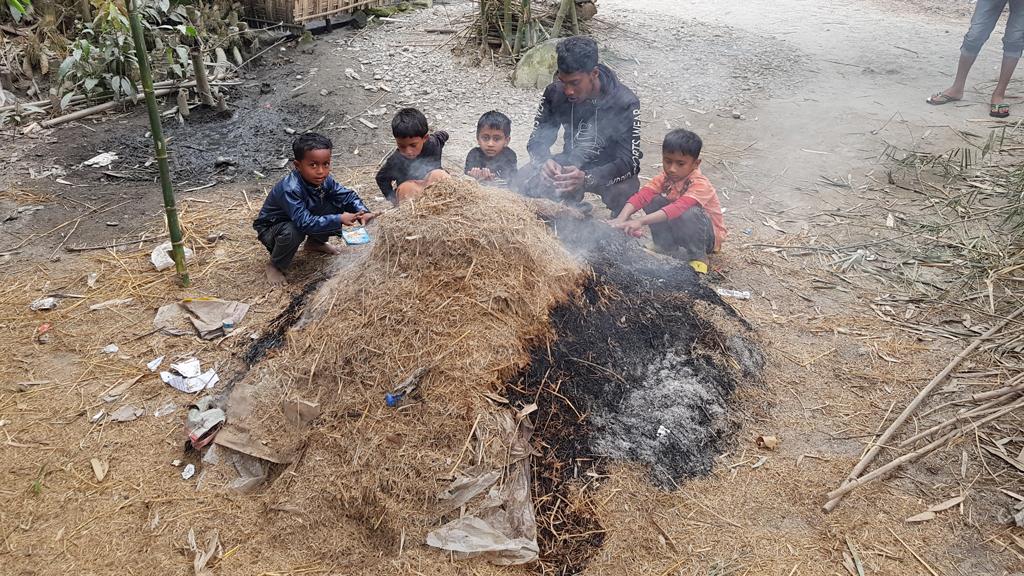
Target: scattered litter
188,472
99,468
224,161
90,280
203,557
113,223
111,303
98,416
101,160
407,387
209,315
170,319
355,236
175,462
188,368
202,422
126,413
503,528
43,333
190,378
161,256
48,303
368,124
251,471
760,462
767,442
662,431
110,349
166,409
155,363
737,294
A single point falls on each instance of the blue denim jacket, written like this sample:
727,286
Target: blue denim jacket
312,210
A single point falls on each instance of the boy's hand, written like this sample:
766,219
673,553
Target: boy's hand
348,219
633,228
618,223
364,218
486,174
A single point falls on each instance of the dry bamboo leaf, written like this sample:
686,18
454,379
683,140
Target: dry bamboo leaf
946,505
99,468
922,517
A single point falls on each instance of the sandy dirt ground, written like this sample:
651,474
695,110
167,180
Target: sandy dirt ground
821,89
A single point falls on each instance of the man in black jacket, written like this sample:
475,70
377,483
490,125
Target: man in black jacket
601,119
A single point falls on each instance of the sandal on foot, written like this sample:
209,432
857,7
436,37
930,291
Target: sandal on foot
999,110
940,99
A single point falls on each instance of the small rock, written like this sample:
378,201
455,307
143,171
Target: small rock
324,92
113,223
737,115
224,161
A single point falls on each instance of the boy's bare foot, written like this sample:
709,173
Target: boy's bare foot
275,276
323,248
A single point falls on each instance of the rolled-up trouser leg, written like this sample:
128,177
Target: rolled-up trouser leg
986,16
1013,38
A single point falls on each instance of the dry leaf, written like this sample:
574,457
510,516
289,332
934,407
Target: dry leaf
946,505
767,442
922,517
99,468
526,411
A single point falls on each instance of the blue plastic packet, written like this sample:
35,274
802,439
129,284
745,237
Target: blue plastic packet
355,235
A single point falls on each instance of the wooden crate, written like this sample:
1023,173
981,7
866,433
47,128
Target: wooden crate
302,11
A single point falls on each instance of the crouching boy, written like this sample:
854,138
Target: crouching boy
680,205
308,204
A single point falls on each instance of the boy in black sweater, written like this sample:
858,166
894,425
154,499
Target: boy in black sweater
493,161
416,161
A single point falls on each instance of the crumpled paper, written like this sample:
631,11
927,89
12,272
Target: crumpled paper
502,528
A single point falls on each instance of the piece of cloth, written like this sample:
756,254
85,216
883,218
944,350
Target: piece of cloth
398,169
680,197
986,16
310,209
283,240
531,183
691,236
602,135
504,165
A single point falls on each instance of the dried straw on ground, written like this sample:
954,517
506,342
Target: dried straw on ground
458,282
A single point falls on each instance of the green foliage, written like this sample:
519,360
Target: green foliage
18,8
102,59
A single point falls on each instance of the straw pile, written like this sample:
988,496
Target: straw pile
458,282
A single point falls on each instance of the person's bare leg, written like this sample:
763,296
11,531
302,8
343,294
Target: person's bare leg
1005,75
963,68
321,247
274,276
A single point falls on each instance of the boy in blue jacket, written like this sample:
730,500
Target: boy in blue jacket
307,204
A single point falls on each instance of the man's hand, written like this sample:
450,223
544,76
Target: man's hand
364,218
569,181
550,171
348,218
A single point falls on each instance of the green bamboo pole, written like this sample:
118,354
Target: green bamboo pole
563,8
177,243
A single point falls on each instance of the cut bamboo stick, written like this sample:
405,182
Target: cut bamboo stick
837,494
883,440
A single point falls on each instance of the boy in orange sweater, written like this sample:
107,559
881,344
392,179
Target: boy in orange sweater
680,205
